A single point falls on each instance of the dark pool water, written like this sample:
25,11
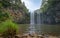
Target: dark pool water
40,28
48,29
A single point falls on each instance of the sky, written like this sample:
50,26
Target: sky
32,4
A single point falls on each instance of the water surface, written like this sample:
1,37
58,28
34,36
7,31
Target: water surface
27,28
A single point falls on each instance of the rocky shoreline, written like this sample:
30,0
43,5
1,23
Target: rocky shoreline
33,36
37,36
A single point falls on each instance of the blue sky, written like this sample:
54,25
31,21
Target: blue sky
32,4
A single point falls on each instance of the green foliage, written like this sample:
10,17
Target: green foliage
24,8
5,3
44,8
49,9
4,15
8,24
8,28
49,4
0,5
16,7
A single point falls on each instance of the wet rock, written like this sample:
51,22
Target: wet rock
18,36
40,36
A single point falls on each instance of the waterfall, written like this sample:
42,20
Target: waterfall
32,23
38,18
31,18
32,28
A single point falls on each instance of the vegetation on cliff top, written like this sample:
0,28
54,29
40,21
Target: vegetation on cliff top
50,11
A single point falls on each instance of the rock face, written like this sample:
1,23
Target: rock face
20,13
53,13
16,9
50,12
57,8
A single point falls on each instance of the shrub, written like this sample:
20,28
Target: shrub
8,28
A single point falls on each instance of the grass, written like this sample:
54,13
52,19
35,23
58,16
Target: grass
8,24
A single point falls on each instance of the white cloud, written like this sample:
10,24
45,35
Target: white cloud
30,5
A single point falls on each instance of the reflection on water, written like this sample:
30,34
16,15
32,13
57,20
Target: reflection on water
32,29
40,29
47,29
23,28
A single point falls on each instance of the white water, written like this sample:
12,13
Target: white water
32,18
32,28
38,18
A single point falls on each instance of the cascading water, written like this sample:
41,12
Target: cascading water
32,28
31,18
32,24
38,18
